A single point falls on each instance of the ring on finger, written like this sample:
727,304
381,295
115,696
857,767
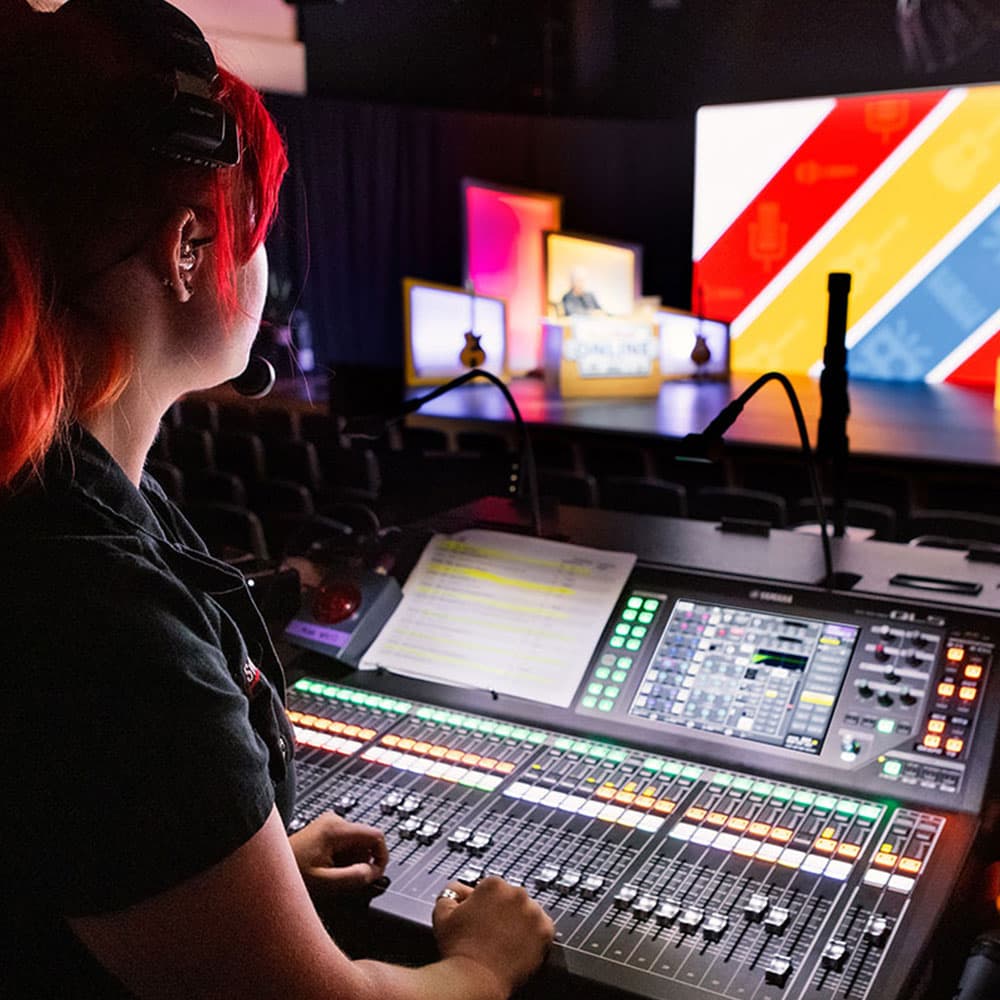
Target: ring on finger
448,894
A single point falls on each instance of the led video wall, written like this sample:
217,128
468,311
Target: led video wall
901,190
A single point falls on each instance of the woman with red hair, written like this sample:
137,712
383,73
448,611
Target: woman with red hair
148,771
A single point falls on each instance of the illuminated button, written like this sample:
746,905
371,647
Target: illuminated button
605,705
622,629
945,689
650,604
886,726
804,798
954,745
435,751
696,813
452,755
602,674
932,741
644,801
623,662
825,803
488,762
781,834
691,773
850,851
885,860
629,615
716,819
935,726
645,617
892,768
626,798
595,688
616,642
606,792
967,693
664,806
763,788
634,602
825,846
738,823
956,654
742,784
652,764
505,767
633,644
782,794
845,807
470,758
391,740
759,829
619,676
612,691
639,631
870,813
974,671
911,866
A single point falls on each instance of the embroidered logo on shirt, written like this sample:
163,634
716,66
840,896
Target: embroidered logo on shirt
251,677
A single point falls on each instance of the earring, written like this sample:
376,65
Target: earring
186,261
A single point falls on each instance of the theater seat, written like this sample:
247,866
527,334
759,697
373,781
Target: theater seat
715,503
643,495
229,531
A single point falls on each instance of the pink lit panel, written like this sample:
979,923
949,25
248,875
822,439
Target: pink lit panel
504,258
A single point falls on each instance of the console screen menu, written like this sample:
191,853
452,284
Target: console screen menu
768,678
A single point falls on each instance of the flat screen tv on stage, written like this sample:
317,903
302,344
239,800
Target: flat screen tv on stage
591,274
504,258
449,330
692,347
901,190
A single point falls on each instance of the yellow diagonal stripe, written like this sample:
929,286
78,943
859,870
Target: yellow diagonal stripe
945,178
505,581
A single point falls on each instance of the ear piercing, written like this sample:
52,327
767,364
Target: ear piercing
185,263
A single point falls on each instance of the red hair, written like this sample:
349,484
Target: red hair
48,373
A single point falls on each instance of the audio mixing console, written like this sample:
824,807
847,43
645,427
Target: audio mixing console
754,794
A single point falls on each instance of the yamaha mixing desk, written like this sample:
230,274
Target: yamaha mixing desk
757,793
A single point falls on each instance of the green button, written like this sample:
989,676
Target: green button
624,662
622,629
303,684
804,798
722,779
633,644
504,731
782,793
581,746
870,813
597,751
373,701
602,673
608,660
845,807
563,744
425,713
639,631
616,642
892,768
343,695
520,733
358,697
612,692
536,736
652,765
691,773
762,788
742,784
886,726
595,688
618,676
605,705
629,615
824,803
645,618
487,727
440,716
671,768
403,706
618,756
634,602
650,604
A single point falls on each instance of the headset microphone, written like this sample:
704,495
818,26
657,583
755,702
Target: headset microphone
257,379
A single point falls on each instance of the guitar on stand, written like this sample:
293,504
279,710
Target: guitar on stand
472,354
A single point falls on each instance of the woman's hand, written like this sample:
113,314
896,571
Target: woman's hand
337,856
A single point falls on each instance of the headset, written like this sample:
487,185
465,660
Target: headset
180,119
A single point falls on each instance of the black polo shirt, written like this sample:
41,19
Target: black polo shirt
142,732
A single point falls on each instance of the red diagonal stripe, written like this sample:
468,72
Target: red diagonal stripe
980,368
833,162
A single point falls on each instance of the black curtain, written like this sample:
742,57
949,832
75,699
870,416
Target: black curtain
373,196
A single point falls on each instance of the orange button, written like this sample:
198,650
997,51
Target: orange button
759,829
323,724
308,720
488,762
945,690
505,767
956,654
910,865
932,741
696,813
738,823
605,793
625,798
717,819
644,801
366,734
781,834
435,751
935,726
974,671
664,806
954,745
353,731
455,755
404,744
967,693
849,851
884,860
825,846
472,759
391,740
293,715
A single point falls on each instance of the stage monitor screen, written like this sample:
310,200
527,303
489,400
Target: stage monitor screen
691,347
901,190
587,274
450,330
504,259
768,678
